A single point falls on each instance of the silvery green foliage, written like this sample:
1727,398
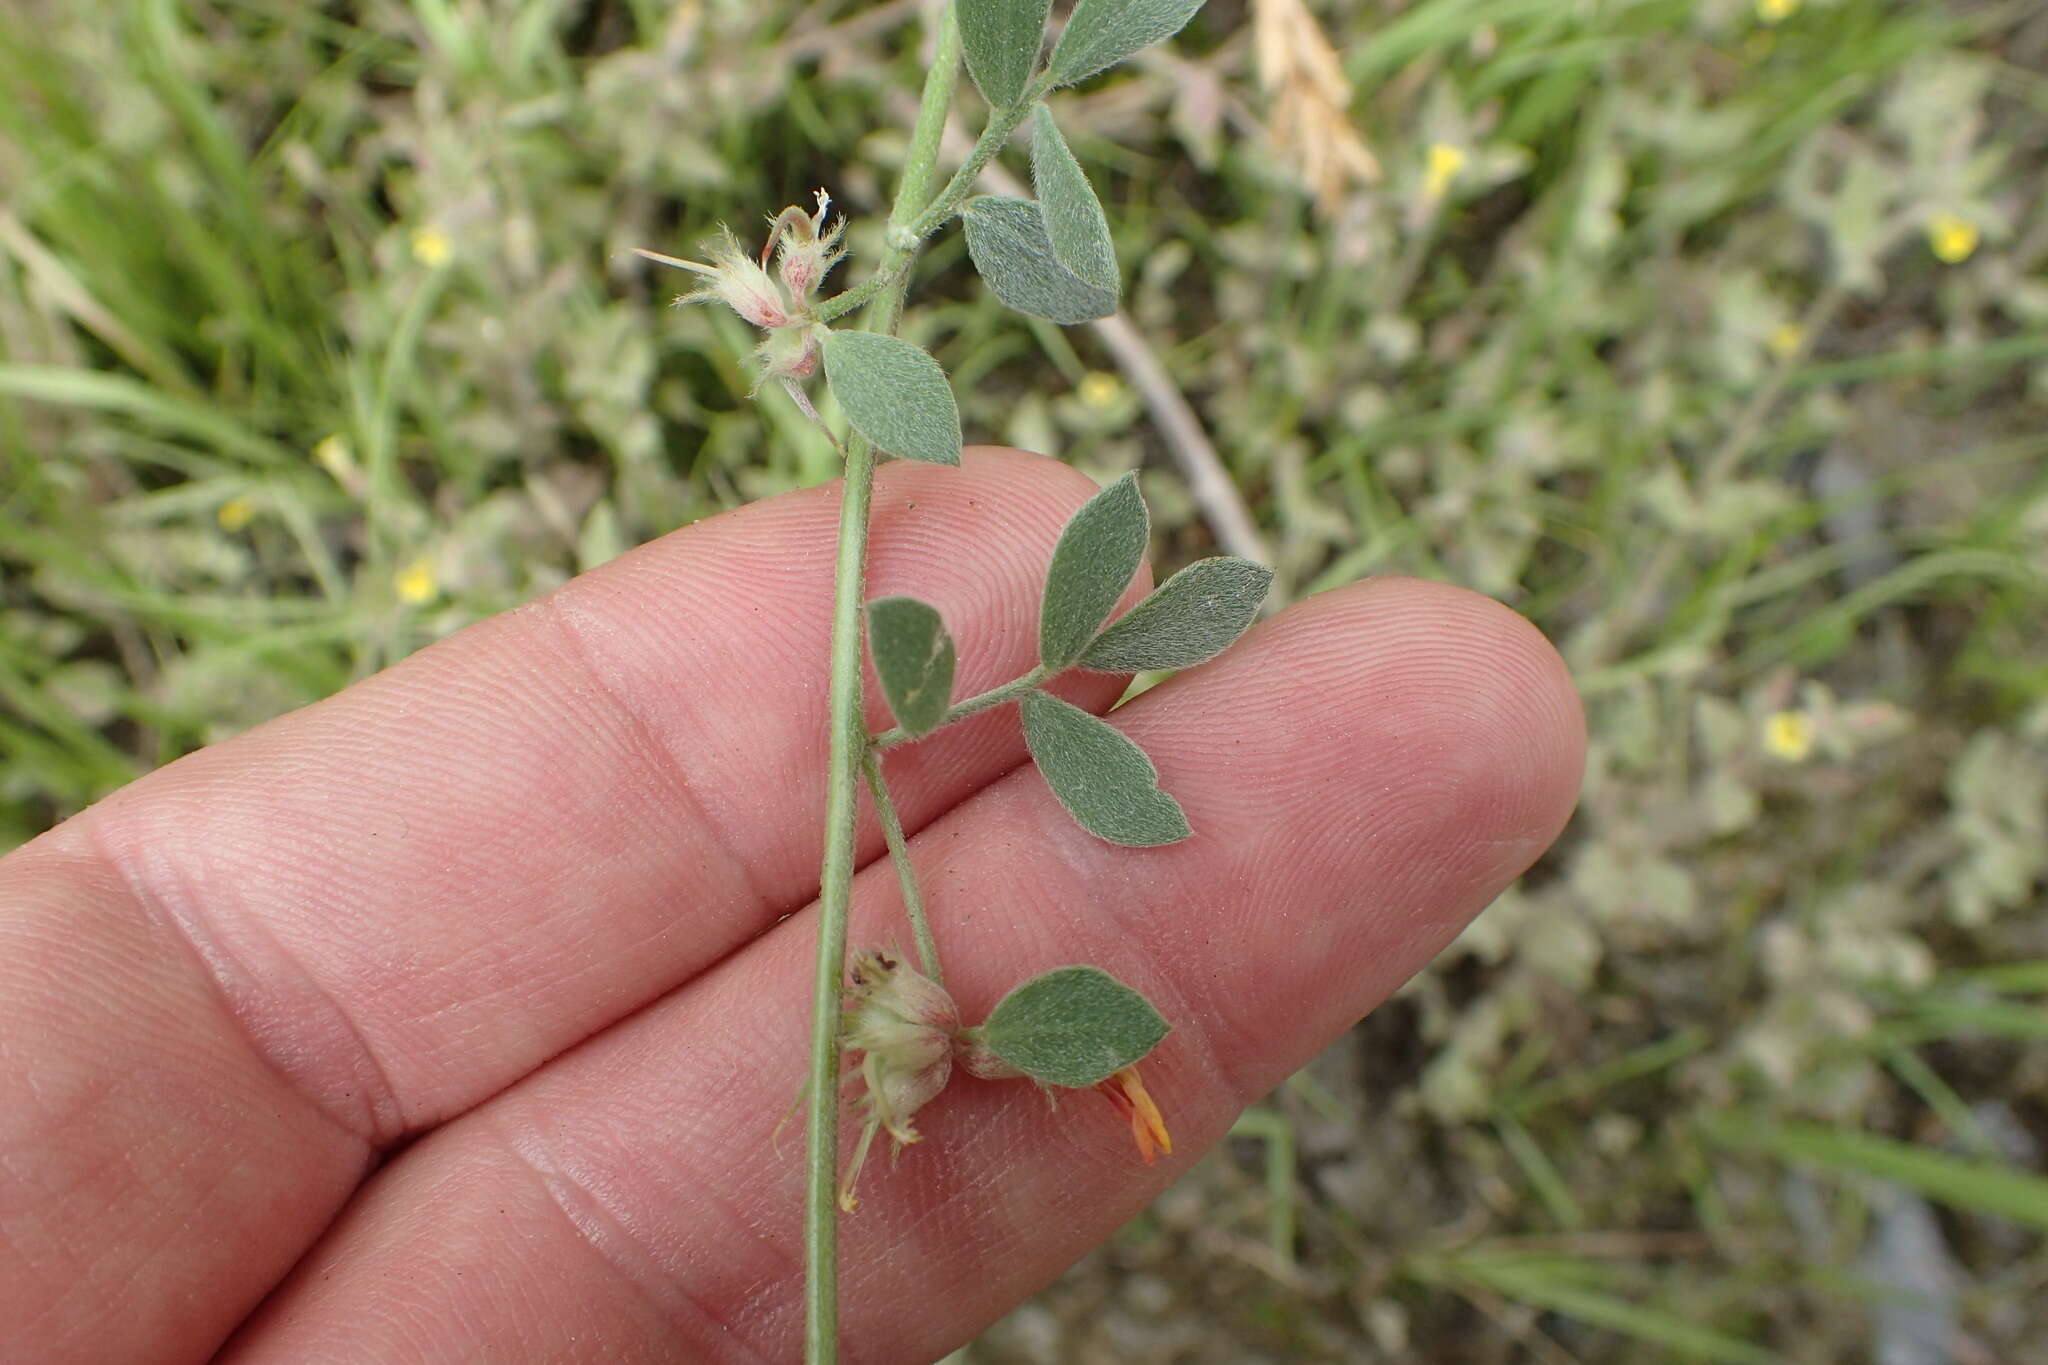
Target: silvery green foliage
1099,549
1102,33
1001,39
1073,1026
914,659
894,394
1074,222
1104,780
1191,618
1012,251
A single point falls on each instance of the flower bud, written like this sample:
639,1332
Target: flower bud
805,250
902,1023
788,353
734,279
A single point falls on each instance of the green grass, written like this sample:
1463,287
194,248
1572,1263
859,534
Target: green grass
1672,368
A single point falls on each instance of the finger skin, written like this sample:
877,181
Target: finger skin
1363,774
222,989
146,1159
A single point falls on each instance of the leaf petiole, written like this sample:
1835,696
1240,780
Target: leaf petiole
1010,691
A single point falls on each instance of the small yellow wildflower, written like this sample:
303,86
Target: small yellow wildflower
1445,161
416,583
1776,11
1100,388
1786,339
332,454
1789,735
430,247
234,514
1952,238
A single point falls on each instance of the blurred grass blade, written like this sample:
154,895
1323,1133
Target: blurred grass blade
1983,1187
1561,1289
119,394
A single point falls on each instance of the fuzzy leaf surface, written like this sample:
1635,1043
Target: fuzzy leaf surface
1073,1027
1104,780
914,658
1189,619
1074,222
1104,32
1099,549
894,394
1001,39
1011,250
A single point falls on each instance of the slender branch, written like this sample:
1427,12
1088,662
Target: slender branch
849,745
994,697
825,310
906,875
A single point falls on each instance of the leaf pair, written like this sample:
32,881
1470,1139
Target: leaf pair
1002,38
1105,781
1052,258
1190,619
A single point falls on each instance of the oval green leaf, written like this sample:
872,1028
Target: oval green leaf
1012,252
1099,549
1104,780
894,394
1001,39
1074,222
1073,1027
1104,32
1189,619
914,659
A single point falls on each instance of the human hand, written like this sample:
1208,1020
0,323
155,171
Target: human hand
451,1018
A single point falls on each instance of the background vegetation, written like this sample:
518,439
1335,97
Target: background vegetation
1712,334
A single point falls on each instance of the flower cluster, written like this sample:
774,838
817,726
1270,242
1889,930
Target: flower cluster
905,1030
804,250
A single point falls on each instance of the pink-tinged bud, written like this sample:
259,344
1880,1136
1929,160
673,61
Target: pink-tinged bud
902,1023
736,280
806,250
788,353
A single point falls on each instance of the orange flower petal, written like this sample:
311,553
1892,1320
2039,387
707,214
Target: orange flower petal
1127,1092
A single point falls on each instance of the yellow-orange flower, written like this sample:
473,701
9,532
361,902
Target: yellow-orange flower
235,514
1952,238
1789,735
430,247
1127,1093
416,583
1445,161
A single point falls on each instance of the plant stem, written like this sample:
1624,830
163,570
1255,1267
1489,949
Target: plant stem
924,147
1001,124
975,705
906,875
842,796
849,746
